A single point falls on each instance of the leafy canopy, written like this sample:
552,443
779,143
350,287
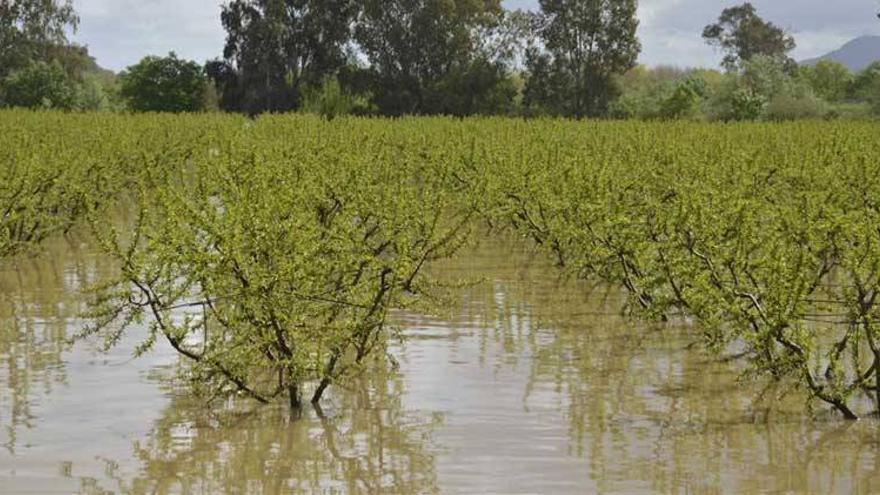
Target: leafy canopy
741,34
276,48
163,84
30,28
586,43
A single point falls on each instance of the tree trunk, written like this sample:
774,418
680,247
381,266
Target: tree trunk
845,410
294,395
877,380
316,397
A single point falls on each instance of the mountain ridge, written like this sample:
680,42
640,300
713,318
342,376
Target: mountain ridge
856,54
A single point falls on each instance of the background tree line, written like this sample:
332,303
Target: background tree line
574,58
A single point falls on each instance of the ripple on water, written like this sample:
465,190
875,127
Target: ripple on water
529,385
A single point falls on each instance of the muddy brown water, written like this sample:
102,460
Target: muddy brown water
530,384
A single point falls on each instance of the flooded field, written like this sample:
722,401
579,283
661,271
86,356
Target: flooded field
530,384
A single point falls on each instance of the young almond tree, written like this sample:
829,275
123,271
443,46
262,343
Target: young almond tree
270,269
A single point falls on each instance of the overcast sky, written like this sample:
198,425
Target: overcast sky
120,32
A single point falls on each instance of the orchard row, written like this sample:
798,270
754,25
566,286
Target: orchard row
269,252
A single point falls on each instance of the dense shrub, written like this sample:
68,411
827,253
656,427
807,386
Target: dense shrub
40,85
164,84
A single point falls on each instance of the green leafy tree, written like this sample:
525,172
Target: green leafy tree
29,29
764,89
481,87
765,76
741,34
275,270
829,79
685,100
872,96
40,85
664,92
276,48
547,84
92,94
586,43
746,104
796,106
331,100
34,50
426,55
164,84
866,87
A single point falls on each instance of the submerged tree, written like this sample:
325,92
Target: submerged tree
277,269
586,43
771,262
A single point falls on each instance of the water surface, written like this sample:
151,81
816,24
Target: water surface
529,384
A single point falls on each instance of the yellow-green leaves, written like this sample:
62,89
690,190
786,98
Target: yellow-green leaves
270,252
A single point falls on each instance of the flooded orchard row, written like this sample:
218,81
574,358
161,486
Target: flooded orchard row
530,384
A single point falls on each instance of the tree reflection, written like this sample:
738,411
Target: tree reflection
367,443
639,408
644,409
40,299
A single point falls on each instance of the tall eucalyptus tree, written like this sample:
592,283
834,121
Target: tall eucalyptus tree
275,48
584,44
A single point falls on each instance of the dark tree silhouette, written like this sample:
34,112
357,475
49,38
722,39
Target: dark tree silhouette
741,34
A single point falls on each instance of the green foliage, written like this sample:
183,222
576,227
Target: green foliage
765,76
271,266
92,94
31,29
746,231
211,101
547,85
685,100
329,100
642,89
866,87
481,87
163,84
830,80
742,34
274,49
50,85
270,252
437,56
850,111
875,101
746,104
865,82
586,44
39,68
40,85
793,106
664,93
53,167
765,90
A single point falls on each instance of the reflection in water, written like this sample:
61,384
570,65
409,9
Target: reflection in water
367,444
643,410
532,384
38,306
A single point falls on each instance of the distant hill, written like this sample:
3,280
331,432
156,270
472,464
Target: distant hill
856,54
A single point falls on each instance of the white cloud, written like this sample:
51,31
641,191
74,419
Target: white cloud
121,32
